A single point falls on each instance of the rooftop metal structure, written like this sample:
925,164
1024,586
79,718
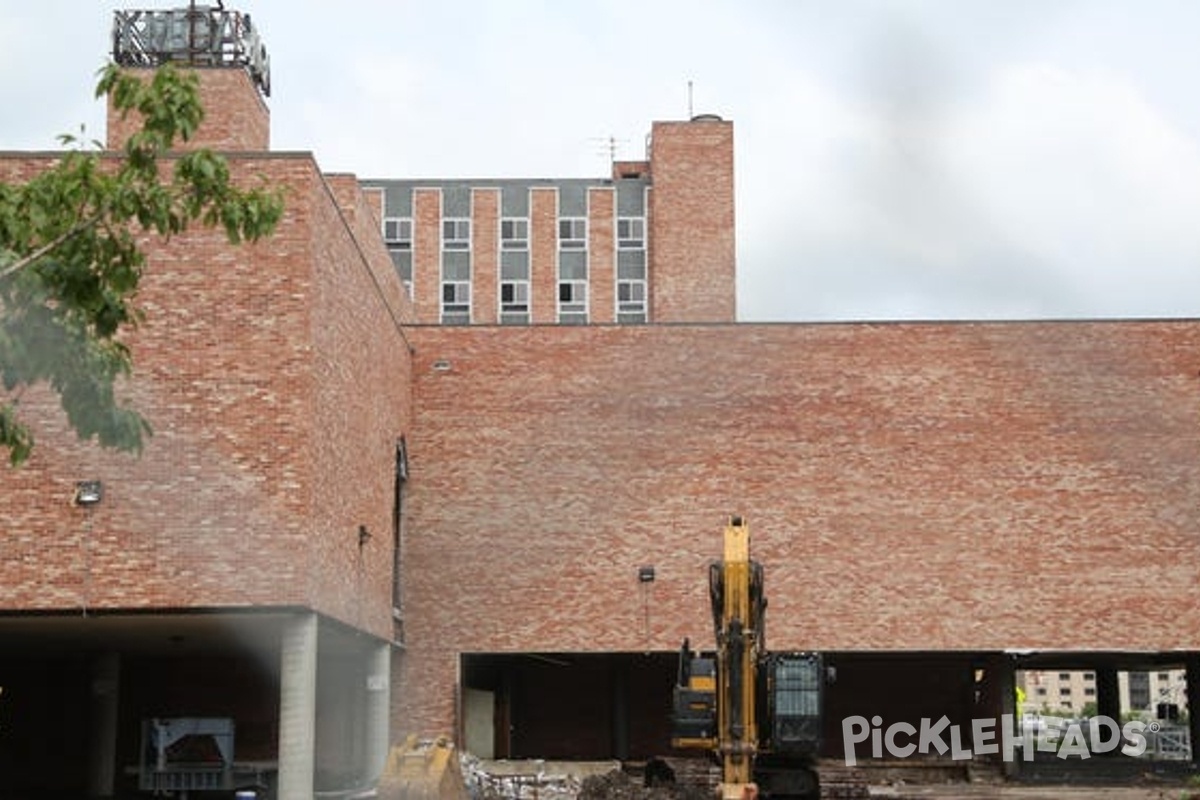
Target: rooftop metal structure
198,35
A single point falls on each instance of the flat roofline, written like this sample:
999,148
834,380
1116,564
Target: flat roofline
950,322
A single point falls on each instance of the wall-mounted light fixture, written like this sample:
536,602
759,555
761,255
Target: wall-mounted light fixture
645,574
88,493
364,535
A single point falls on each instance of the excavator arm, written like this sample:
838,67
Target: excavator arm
759,713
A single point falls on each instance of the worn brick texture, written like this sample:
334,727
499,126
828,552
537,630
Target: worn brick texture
236,117
909,487
691,222
276,377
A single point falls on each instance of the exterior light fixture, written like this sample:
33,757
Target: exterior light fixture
364,535
88,493
645,574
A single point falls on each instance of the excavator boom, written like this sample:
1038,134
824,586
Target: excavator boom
757,712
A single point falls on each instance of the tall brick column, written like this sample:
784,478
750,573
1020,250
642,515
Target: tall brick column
692,243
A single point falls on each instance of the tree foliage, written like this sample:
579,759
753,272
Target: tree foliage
70,264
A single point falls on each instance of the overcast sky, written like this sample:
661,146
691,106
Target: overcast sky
940,159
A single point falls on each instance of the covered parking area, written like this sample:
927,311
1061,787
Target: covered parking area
120,704
593,706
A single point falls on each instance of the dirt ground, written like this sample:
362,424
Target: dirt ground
620,786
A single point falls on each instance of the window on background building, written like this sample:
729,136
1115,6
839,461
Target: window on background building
1064,676
456,287
631,233
514,287
1065,691
1164,676
631,301
572,287
514,301
514,234
1089,676
456,302
572,302
1041,691
572,233
397,232
1089,691
456,234
631,285
397,236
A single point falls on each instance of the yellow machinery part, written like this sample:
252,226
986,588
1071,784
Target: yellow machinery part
426,769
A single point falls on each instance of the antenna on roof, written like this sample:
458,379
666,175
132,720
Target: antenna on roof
607,146
690,112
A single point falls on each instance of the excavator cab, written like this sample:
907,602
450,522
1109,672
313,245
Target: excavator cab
694,717
795,689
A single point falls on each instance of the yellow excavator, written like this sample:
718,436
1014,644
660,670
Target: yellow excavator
758,712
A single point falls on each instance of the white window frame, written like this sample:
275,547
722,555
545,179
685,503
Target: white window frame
461,233
462,299
578,229
514,242
631,306
394,233
521,293
578,304
632,240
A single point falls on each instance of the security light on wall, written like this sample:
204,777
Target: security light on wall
88,493
646,574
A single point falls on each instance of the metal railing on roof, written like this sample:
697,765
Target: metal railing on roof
198,35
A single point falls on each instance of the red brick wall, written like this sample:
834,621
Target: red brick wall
276,383
361,369
908,486
427,254
601,255
485,244
691,222
543,255
236,117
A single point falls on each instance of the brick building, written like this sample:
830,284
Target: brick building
360,517
627,249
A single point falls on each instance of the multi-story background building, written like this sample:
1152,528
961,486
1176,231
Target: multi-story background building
1153,693
653,243
372,509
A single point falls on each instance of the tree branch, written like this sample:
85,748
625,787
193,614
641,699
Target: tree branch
25,261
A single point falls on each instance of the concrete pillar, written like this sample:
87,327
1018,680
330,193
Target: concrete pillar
379,703
102,746
1193,704
297,707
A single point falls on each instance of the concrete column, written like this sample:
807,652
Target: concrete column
379,702
102,747
1193,703
297,707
